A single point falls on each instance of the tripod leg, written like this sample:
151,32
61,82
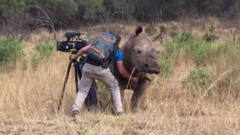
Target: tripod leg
76,76
64,86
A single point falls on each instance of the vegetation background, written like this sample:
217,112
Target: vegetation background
75,13
197,92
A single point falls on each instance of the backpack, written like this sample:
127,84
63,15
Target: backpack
102,51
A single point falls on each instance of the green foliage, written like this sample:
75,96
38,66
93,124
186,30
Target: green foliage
95,10
67,13
42,53
10,7
197,48
165,66
10,50
197,81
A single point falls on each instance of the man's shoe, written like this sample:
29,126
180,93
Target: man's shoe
75,113
119,113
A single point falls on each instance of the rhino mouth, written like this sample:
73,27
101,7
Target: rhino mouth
153,71
148,69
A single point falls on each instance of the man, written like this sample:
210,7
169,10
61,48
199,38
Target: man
93,70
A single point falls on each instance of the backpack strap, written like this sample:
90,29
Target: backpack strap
107,39
98,51
111,58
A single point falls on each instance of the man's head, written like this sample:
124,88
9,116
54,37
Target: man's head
118,37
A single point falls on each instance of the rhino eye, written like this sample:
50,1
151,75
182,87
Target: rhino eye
138,51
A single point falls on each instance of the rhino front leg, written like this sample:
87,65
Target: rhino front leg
138,95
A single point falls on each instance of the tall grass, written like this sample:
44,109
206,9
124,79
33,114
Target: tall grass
210,60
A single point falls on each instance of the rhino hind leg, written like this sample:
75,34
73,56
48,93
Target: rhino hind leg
138,95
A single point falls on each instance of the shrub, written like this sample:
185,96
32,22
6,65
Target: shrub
197,81
43,52
165,66
197,48
199,51
173,47
10,50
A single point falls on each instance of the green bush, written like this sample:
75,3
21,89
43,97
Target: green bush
197,81
199,51
165,66
195,47
10,50
42,53
173,47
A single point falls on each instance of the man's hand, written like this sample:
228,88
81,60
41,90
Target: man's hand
72,57
135,79
80,52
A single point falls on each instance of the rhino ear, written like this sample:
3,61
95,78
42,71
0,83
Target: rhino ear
138,30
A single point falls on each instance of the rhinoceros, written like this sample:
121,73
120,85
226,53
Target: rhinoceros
140,59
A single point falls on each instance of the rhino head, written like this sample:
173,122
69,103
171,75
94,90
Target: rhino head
139,52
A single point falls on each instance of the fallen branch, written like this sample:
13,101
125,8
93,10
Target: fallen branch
221,77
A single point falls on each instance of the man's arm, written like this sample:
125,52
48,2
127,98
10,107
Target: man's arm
120,66
81,52
123,72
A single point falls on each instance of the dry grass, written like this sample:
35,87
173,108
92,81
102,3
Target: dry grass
28,101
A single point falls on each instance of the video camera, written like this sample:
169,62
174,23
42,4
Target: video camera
73,43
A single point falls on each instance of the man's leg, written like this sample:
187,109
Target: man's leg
107,78
84,86
91,100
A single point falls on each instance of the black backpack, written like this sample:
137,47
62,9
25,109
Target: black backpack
103,50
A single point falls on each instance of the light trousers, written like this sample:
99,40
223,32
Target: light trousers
91,72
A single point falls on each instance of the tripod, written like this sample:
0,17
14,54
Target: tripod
91,100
